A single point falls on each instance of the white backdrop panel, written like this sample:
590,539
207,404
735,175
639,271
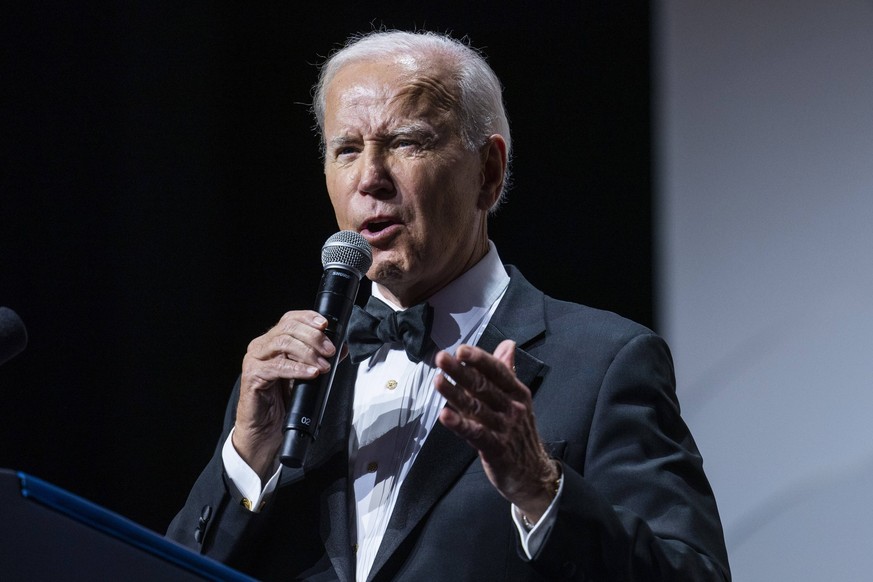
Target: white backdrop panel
765,213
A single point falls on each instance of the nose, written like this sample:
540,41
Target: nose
375,178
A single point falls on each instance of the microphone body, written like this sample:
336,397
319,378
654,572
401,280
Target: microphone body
346,256
13,335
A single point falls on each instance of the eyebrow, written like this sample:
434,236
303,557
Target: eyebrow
415,128
341,141
412,128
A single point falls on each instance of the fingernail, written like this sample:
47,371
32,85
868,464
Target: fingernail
319,320
312,370
323,364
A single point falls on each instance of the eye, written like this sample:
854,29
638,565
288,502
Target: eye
413,140
405,142
346,151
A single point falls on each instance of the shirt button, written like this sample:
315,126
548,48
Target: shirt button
372,466
391,384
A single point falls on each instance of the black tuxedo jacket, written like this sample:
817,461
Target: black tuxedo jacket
636,504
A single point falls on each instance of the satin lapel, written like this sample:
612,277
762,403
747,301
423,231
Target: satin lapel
334,430
327,467
441,461
444,457
521,318
527,367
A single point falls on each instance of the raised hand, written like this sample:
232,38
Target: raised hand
492,410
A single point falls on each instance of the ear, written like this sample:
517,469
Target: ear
493,171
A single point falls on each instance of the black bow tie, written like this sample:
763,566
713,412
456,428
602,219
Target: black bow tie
379,324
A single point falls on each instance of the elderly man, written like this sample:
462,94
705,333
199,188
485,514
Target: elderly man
532,440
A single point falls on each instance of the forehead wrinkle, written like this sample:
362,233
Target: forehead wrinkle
429,91
416,102
360,94
359,114
356,114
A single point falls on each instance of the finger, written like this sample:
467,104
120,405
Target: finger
471,387
475,433
260,374
494,391
293,348
278,350
291,319
505,353
497,368
464,403
307,327
298,336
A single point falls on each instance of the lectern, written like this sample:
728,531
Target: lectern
47,533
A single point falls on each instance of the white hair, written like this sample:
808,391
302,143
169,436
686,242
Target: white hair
481,112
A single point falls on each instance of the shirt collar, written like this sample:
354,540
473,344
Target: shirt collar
460,306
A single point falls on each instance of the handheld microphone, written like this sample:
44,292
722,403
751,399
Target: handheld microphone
346,257
13,335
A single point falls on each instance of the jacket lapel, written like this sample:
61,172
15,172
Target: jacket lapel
327,465
444,457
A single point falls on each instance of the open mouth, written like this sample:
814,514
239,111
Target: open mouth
377,226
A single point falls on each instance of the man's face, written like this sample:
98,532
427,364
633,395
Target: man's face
397,172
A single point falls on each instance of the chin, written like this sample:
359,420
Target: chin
386,272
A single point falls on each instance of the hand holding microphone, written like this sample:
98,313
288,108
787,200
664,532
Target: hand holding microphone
294,363
346,257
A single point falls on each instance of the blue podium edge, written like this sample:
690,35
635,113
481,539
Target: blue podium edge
124,529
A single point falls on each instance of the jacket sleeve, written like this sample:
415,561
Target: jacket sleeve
213,521
637,505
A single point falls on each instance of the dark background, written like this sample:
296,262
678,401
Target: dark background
162,203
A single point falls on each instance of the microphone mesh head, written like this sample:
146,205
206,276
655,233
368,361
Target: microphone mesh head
349,250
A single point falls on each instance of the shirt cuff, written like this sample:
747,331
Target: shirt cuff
244,477
532,539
